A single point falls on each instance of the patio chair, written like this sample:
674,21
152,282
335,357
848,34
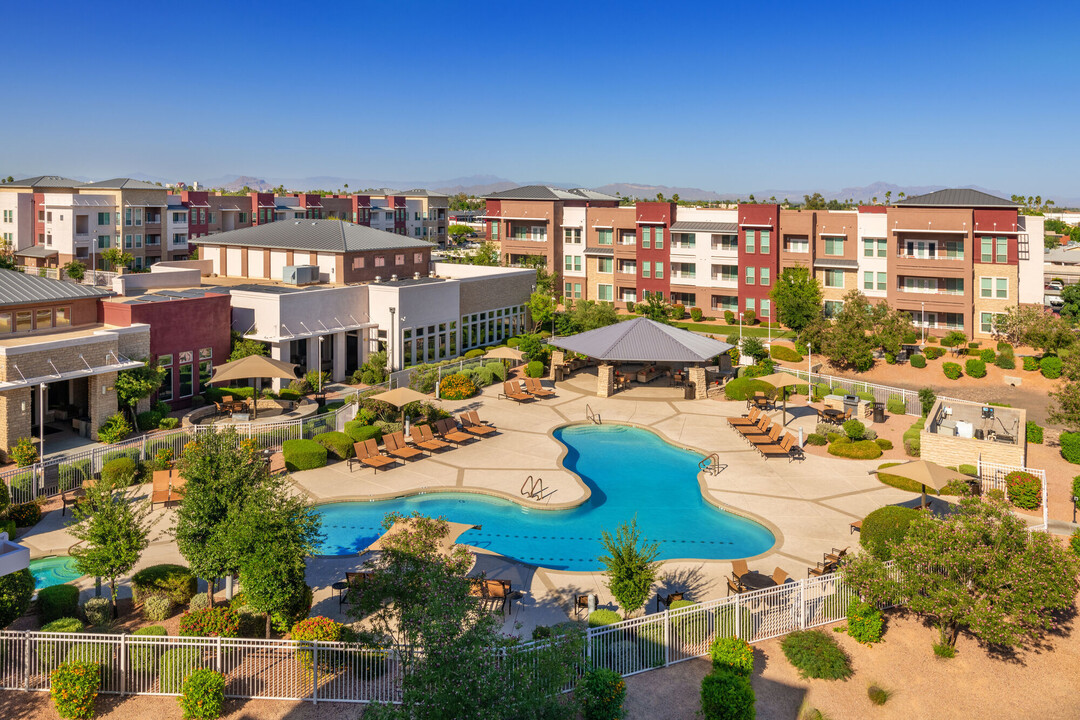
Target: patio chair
746,420
448,430
667,600
367,453
71,497
739,568
474,417
395,445
535,387
176,485
836,555
160,492
733,586
429,437
855,526
355,587
512,391
429,445
476,588
820,569
474,428
779,576
498,591
581,602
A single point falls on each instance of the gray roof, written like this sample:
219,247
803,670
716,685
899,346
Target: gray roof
17,288
606,251
37,251
823,262
319,235
958,197
705,227
46,181
1065,254
124,184
546,192
643,340
421,192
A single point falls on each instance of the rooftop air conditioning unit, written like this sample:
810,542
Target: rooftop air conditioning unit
300,274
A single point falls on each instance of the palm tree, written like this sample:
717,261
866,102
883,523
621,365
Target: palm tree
1038,201
902,195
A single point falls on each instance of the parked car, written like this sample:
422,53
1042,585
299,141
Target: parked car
1055,285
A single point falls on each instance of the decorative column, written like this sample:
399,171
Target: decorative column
338,374
698,382
280,351
605,380
101,393
558,357
14,417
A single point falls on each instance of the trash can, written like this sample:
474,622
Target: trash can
879,412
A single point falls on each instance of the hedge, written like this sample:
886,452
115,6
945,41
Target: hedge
1050,366
359,432
816,654
24,514
148,420
1030,363
1034,433
816,439
896,405
727,695
884,443
987,355
534,369
933,353
913,438
175,582
600,618
784,354
952,370
338,443
1025,490
1070,447
975,368
859,450
58,601
884,526
303,454
744,388
175,666
918,361
475,353
122,468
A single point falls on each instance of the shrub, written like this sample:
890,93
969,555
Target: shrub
816,655
97,611
64,625
856,450
1025,490
252,621
173,581
884,443
1074,542
952,370
474,353
931,339
1030,363
359,432
58,601
953,338
48,653
975,368
944,650
854,429
203,695
534,369
148,420
864,622
217,621
696,314
143,658
175,666
677,311
816,439
1070,446
918,361
933,353
987,355
16,590
24,453
303,454
456,387
600,693
25,514
198,602
122,470
600,618
1050,366
878,696
749,317
885,527
74,687
890,359
835,436
744,388
498,369
784,354
726,695
114,429
157,608
896,405
729,317
1005,362
338,443
1034,432
733,653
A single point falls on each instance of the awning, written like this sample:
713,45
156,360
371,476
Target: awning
38,251
286,333
602,251
706,227
838,263
119,363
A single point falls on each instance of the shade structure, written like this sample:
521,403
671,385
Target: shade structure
927,474
257,367
643,340
781,380
399,398
505,353
446,544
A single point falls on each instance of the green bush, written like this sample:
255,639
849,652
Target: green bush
120,471
836,437
338,443
1070,447
175,666
885,527
1005,362
97,653
864,622
816,655
203,695
953,338
1050,366
855,429
474,353
97,611
148,420
877,695
884,443
969,470
1025,490
732,653
987,355
534,369
144,658
729,316
600,693
513,342
48,654
857,450
1074,541
933,353
975,368
16,590
918,361
816,439
784,354
64,625
744,388
58,601
726,695
1030,363
457,387
198,602
1034,433
175,582
696,314
359,432
952,370
217,621
157,608
303,454
74,687
25,514
114,429
600,618
498,370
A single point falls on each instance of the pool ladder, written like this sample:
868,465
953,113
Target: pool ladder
591,416
533,492
711,464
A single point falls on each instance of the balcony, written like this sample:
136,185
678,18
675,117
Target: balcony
725,281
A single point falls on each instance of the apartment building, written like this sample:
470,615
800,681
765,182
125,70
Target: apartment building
953,259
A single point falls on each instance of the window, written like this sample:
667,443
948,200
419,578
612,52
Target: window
764,276
628,267
43,319
103,241
568,290
416,231
103,218
165,391
954,286
63,317
750,275
604,292
725,302
206,367
5,322
24,321
994,287
766,307
658,238
8,216
833,308
987,321
1002,245
627,237
572,263
881,282
729,243
1001,287
646,242
868,245
797,244
749,303
243,217
834,246
138,216
572,236
683,241
868,280
764,235
577,291
138,241
646,268
418,257
399,259
380,261
494,231
127,242
987,250
750,243
659,270
605,265
920,284
834,278
726,273
954,250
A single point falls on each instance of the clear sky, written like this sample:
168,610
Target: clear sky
726,96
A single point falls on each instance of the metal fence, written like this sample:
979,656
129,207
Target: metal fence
881,393
101,278
992,476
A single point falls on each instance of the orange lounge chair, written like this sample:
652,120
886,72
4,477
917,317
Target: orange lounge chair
429,437
160,493
419,441
512,391
448,430
535,387
475,418
474,428
176,485
396,446
746,420
367,453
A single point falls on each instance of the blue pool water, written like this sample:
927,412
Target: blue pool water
629,471
55,570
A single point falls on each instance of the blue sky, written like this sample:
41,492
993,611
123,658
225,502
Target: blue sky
723,96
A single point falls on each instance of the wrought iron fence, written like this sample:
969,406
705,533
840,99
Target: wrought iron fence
881,393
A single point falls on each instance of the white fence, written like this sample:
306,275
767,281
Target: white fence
881,393
90,277
992,477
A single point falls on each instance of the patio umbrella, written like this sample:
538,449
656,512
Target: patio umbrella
399,398
257,367
446,544
505,353
779,381
925,473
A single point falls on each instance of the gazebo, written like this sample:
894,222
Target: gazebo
644,340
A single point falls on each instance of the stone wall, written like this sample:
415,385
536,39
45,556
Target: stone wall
955,451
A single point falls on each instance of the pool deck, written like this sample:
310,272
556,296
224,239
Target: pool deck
808,505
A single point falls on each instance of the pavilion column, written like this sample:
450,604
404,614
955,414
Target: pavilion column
698,382
558,357
280,351
605,380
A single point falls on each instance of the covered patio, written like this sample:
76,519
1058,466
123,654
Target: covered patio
641,351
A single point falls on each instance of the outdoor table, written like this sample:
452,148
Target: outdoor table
756,581
341,587
761,402
833,414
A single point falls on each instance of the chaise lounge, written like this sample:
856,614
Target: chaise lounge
513,391
367,453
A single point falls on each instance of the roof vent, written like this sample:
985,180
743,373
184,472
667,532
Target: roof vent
416,276
312,223
393,278
378,278
297,222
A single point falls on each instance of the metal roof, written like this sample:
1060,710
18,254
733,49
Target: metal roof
546,192
421,192
705,227
124,184
17,288
318,235
37,251
957,197
605,251
46,181
643,340
835,263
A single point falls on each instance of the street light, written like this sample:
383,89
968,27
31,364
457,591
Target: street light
390,341
923,306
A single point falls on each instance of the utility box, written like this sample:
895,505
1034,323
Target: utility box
300,274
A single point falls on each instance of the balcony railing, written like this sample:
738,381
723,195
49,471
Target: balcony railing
928,256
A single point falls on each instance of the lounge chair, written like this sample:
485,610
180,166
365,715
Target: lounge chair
430,445
176,486
395,445
448,430
512,391
820,569
160,493
739,568
355,582
367,453
857,525
794,450
474,417
769,443
474,428
429,437
581,602
836,555
666,600
534,387
750,418
498,591
779,576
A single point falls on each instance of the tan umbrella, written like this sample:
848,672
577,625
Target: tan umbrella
446,544
781,380
257,367
925,473
505,353
399,398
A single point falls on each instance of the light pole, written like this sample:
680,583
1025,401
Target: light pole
922,305
390,342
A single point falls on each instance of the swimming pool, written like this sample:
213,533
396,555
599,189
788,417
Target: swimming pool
629,471
55,570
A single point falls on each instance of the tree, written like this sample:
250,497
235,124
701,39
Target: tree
796,297
814,202
980,570
220,472
7,256
541,309
75,270
16,590
1070,297
373,371
630,566
242,347
849,342
1065,401
487,254
754,347
117,258
656,308
458,231
590,315
1031,325
890,326
113,528
138,383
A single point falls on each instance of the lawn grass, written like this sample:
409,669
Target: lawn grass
725,330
